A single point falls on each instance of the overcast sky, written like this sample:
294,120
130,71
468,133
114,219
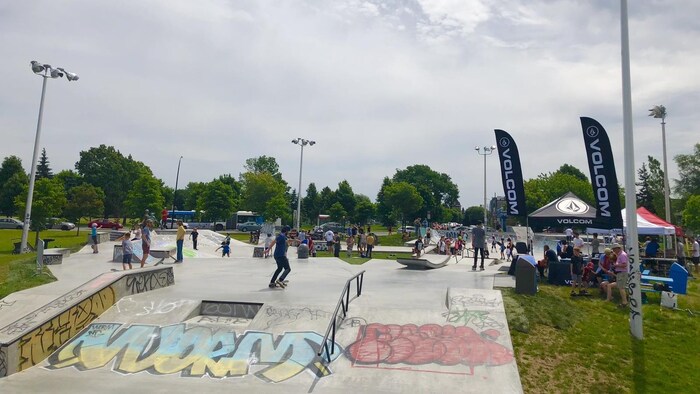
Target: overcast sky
379,85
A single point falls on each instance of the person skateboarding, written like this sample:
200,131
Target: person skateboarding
280,254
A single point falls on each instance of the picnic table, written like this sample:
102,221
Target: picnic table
659,265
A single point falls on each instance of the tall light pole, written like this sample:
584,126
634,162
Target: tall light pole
659,112
486,151
302,143
45,71
177,177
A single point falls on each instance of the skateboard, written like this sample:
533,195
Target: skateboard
279,284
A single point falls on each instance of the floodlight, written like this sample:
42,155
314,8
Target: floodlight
312,143
55,73
36,67
69,75
493,147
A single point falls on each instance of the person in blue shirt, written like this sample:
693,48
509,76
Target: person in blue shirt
652,247
93,235
280,254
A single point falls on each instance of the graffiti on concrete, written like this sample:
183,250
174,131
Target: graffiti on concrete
230,309
192,352
5,304
465,317
466,301
392,344
150,280
225,320
3,361
283,316
36,345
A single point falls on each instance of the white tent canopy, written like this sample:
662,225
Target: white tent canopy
644,227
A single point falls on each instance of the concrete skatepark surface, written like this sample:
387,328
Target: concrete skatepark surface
219,328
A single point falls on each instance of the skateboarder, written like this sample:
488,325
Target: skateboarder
280,254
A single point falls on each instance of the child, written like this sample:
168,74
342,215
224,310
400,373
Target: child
350,241
127,251
268,242
225,249
588,276
576,268
418,247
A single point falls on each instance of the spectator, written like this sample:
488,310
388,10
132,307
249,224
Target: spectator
418,247
179,241
146,240
567,250
610,278
576,266
695,256
651,247
127,251
577,241
164,218
604,271
595,245
330,238
268,243
621,268
442,246
479,244
336,245
362,247
371,239
569,234
194,235
93,235
680,255
549,257
350,242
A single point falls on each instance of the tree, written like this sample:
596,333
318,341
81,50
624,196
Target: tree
364,210
193,193
688,182
384,212
84,201
10,166
548,187
48,201
146,193
656,185
403,198
436,189
106,168
337,212
258,189
346,197
573,171
311,203
42,169
327,198
217,201
645,198
12,188
263,164
691,213
13,180
473,215
69,179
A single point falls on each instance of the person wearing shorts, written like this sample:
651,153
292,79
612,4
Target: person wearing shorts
127,251
328,236
576,267
146,240
621,268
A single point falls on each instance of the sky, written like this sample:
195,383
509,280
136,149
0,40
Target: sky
379,85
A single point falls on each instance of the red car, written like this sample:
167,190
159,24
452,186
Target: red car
105,223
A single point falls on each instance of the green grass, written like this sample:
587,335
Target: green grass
18,272
582,344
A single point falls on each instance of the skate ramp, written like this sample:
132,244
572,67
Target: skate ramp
425,262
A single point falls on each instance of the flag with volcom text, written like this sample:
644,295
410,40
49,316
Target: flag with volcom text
601,166
511,174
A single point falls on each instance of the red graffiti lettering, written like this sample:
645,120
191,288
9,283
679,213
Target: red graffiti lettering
431,343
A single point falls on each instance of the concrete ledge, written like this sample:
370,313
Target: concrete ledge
52,258
29,340
101,238
164,253
64,251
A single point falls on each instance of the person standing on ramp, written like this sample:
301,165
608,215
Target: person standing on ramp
280,243
478,243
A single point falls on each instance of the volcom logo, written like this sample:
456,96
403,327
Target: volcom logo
572,206
592,131
507,163
600,180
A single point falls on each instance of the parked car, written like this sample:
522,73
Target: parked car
11,223
248,226
61,224
105,223
333,226
409,229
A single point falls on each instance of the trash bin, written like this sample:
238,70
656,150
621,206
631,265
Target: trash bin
303,251
525,277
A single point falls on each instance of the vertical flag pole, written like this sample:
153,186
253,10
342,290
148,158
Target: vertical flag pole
632,241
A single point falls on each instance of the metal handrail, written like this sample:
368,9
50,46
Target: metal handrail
343,302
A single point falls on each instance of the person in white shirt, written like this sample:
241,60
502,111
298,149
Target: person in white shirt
329,236
695,255
569,234
578,242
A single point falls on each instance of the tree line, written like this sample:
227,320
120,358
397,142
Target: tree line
106,183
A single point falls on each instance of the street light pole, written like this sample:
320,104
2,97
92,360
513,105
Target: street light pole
659,112
45,71
177,177
486,152
302,143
